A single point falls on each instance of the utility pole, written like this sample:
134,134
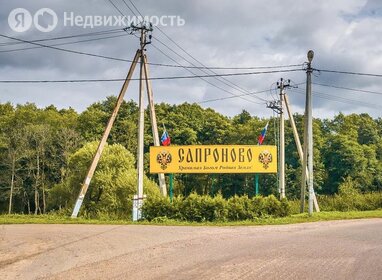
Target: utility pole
140,56
299,148
308,137
141,123
277,106
281,85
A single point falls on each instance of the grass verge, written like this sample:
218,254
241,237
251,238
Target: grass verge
294,219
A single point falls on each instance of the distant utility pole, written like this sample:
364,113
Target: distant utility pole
308,138
278,107
140,56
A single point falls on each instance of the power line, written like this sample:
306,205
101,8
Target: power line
349,73
110,31
132,3
340,99
111,2
202,78
97,55
155,78
220,78
230,97
210,83
65,43
203,67
350,89
66,50
131,9
203,70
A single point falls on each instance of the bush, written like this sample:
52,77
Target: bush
196,208
158,207
239,208
349,198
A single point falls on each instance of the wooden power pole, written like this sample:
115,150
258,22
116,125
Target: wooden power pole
144,81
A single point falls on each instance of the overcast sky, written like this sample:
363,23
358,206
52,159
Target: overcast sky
344,34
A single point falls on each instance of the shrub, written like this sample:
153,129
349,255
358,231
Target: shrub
156,207
196,208
349,198
239,208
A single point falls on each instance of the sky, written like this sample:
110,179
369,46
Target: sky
344,34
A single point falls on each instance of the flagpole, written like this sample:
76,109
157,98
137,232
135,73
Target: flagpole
257,179
257,176
257,184
171,177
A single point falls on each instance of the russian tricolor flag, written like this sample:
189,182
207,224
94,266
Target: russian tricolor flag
165,139
262,135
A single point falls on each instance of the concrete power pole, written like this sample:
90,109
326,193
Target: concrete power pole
308,135
281,85
141,122
299,147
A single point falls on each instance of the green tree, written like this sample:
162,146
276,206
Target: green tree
113,185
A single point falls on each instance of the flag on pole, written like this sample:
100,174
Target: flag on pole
262,135
165,139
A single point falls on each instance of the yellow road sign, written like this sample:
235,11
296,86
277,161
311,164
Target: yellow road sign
213,159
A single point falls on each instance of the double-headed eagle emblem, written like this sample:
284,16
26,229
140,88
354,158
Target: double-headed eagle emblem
164,158
265,157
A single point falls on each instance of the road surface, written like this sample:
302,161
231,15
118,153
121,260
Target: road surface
325,250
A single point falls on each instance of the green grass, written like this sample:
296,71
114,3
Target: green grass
294,219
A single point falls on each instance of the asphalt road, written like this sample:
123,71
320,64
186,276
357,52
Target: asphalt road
324,250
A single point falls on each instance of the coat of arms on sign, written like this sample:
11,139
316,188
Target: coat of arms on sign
164,158
265,157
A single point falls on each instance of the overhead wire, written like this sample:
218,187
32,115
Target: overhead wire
348,73
100,56
97,33
349,89
154,78
219,78
210,83
66,43
339,99
230,97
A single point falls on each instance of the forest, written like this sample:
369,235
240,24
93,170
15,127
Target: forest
45,152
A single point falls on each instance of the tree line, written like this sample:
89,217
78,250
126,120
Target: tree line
44,154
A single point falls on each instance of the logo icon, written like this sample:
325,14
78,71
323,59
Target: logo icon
45,20
20,20
164,158
265,157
